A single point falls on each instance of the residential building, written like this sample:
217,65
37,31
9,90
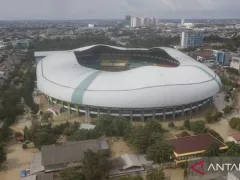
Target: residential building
190,148
152,21
234,138
128,164
191,39
63,155
222,58
235,63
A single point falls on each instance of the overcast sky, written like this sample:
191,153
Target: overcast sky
116,9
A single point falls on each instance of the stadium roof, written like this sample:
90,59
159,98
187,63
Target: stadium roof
60,76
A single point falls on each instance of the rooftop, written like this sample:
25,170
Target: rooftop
70,151
236,137
193,143
87,126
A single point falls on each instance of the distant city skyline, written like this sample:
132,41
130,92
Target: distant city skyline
114,9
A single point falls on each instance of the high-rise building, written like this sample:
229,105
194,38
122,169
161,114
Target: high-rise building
133,22
128,20
146,22
153,21
222,58
139,21
191,39
136,21
182,22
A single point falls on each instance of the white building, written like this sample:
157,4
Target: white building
235,63
182,22
189,25
136,21
91,25
191,39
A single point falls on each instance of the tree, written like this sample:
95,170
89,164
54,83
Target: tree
139,138
95,166
233,150
70,174
213,150
159,152
234,123
46,117
198,127
227,109
44,136
3,156
155,174
208,117
27,134
154,126
187,124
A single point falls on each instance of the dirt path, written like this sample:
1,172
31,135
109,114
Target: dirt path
17,158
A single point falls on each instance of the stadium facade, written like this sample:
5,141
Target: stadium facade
130,82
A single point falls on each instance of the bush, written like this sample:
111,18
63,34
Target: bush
227,109
211,118
24,146
234,123
181,128
187,124
171,124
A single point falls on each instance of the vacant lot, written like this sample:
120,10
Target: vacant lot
119,147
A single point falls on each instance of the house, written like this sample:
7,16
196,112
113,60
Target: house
69,154
235,138
19,138
128,164
190,148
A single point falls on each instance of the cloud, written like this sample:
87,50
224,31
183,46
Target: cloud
82,9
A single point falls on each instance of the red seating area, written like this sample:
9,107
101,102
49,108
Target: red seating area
115,69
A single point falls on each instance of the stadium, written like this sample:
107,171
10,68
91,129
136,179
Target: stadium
130,82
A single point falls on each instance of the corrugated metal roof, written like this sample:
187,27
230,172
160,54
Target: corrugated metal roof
87,126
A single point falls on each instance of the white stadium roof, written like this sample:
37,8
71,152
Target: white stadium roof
60,76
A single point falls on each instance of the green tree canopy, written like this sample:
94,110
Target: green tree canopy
198,127
159,152
233,150
70,174
155,174
95,166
